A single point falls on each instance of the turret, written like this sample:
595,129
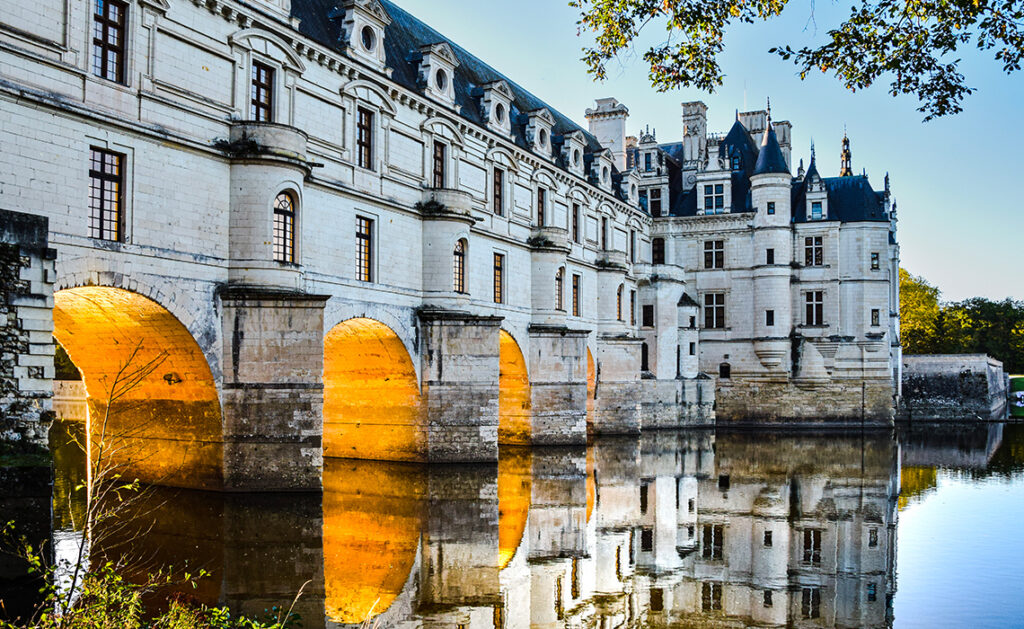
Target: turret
846,159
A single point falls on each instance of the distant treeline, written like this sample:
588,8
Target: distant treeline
972,326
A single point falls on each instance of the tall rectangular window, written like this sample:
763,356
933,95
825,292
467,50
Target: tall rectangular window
769,256
814,303
643,200
647,162
542,195
766,598
646,540
499,278
693,349
109,27
459,267
632,245
604,233
876,262
873,538
714,198
106,195
713,541
769,318
284,228
814,251
498,192
364,249
657,600
440,161
714,310
655,203
560,289
364,138
816,214
645,488
632,307
576,288
810,602
714,254
876,317
812,546
771,207
658,251
576,222
711,597
768,539
647,318
261,96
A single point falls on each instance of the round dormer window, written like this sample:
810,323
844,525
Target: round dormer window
441,80
369,38
605,174
576,157
543,137
499,114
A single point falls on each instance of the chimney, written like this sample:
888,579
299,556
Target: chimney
695,128
608,125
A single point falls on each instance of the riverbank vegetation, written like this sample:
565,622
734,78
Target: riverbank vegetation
972,326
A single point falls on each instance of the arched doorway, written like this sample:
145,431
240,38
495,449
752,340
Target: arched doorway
153,409
514,425
374,513
371,395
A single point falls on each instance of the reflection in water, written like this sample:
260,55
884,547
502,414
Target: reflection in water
669,529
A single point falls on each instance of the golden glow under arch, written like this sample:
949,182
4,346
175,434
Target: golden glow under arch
515,492
371,395
166,429
591,387
514,425
374,512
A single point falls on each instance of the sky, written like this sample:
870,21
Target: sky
955,179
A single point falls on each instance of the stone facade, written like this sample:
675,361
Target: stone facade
793,279
26,333
383,153
955,386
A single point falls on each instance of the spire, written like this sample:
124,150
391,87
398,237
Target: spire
812,168
846,158
770,158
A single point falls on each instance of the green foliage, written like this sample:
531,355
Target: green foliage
919,314
972,326
909,42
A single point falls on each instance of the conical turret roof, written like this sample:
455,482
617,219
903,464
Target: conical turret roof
770,158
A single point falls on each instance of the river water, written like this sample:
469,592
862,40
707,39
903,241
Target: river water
919,527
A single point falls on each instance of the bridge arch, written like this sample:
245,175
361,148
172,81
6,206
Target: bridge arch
514,404
515,494
591,387
372,404
152,398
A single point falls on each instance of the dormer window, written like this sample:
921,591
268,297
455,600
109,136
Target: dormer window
538,131
496,105
573,144
437,63
816,214
362,30
714,198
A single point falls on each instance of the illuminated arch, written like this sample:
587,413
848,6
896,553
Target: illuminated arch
515,491
374,513
513,394
166,428
371,395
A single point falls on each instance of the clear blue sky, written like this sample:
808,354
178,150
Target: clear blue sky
955,180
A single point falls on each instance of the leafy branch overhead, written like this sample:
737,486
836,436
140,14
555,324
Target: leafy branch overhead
911,43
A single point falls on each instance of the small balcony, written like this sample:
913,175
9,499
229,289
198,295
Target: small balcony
265,139
549,239
445,204
612,260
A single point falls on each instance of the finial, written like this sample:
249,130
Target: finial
812,149
737,114
769,108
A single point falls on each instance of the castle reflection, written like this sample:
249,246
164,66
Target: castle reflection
673,529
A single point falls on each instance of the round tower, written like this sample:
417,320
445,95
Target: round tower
770,191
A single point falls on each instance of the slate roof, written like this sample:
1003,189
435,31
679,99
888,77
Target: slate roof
850,199
770,158
406,34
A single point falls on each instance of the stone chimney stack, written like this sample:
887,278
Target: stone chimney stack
695,131
608,125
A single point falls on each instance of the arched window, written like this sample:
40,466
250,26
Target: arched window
725,371
618,303
658,251
284,227
559,292
459,267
